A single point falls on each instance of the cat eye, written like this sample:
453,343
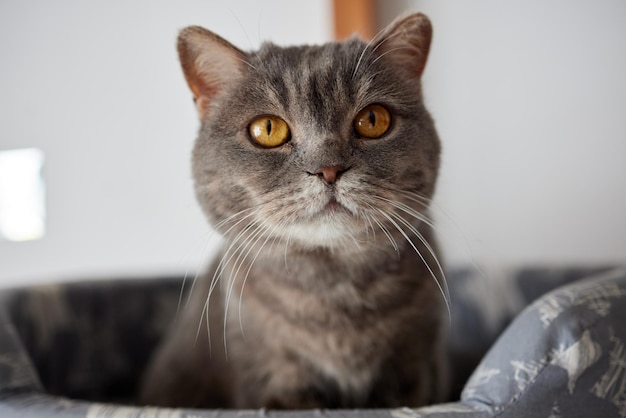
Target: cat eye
269,131
372,121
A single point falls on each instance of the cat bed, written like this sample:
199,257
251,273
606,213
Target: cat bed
531,342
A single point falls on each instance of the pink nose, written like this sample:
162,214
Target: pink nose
330,174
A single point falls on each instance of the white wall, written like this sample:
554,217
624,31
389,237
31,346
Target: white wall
530,101
529,97
96,86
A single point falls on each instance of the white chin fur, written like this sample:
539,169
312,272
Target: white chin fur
327,231
320,228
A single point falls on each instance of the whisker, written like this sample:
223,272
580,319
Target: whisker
212,233
246,62
389,52
409,211
358,62
383,41
215,229
401,231
232,217
182,290
286,248
224,262
205,308
429,249
369,44
245,279
371,226
241,259
417,198
199,328
245,33
208,330
384,229
430,203
233,276
221,266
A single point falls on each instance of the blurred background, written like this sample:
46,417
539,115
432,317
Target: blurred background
97,124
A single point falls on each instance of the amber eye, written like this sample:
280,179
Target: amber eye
269,131
372,121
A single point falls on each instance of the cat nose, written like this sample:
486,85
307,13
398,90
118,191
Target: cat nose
329,174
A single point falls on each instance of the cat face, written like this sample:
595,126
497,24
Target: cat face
320,146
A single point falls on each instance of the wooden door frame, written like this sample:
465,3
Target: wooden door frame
354,17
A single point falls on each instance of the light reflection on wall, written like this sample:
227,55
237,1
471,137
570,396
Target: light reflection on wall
22,195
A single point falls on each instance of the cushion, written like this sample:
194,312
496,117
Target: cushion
78,349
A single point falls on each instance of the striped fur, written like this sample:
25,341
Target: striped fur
325,295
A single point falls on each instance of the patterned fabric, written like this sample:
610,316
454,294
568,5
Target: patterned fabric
78,350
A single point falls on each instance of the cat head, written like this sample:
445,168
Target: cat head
320,146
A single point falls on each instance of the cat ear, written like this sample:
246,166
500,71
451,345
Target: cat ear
210,64
406,41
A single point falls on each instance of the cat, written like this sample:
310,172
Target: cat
317,164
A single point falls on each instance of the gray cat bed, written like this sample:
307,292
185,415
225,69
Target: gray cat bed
78,349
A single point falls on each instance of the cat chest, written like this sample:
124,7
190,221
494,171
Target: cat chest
351,359
346,337
345,350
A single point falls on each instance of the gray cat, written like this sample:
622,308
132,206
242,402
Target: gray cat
317,164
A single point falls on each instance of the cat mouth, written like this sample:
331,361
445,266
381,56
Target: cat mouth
333,205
